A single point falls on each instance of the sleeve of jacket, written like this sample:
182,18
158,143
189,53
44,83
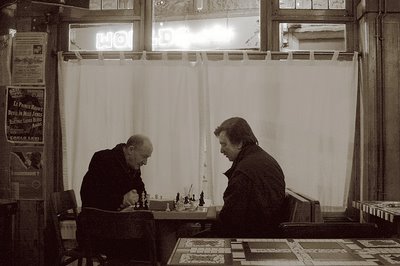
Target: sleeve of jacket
96,186
236,201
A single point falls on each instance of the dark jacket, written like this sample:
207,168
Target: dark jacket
108,179
104,186
254,195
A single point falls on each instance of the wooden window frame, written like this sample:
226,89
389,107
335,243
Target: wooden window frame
270,18
273,16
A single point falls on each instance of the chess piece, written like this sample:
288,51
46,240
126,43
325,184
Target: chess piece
201,200
180,206
177,197
167,209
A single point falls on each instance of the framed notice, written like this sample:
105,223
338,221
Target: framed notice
25,110
29,58
26,176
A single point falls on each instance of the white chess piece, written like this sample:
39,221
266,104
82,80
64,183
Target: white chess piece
167,209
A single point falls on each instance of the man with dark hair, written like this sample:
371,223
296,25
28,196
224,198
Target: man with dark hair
256,186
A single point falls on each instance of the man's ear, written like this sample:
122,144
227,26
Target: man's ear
240,145
131,148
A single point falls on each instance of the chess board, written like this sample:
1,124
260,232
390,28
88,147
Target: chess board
218,251
387,210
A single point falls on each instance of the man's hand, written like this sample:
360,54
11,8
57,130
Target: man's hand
130,198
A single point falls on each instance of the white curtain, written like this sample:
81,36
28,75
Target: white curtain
104,102
302,111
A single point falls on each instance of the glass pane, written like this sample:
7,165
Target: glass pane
320,4
316,37
315,4
287,4
95,4
109,4
205,25
303,4
125,4
101,37
337,4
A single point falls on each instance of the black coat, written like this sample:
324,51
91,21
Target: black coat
108,179
104,186
254,196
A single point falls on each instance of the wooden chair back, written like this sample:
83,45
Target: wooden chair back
103,225
63,206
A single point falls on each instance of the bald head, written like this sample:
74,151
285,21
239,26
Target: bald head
137,150
138,140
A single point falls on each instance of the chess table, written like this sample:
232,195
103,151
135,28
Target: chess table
386,210
223,251
168,224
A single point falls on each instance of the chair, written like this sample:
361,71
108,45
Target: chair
63,207
329,230
101,226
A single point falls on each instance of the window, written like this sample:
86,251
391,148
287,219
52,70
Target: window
110,4
108,25
213,25
101,37
312,36
319,25
205,25
312,4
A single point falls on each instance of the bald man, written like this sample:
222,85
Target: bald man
113,180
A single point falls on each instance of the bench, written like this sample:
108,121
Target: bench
315,212
303,219
301,208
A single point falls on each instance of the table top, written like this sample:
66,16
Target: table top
203,213
388,210
223,251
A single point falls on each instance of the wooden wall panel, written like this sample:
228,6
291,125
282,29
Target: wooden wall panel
33,214
380,129
391,68
30,224
369,116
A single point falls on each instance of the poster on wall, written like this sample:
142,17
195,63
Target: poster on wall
26,176
29,58
25,110
5,60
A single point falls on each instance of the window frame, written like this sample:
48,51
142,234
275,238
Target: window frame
270,17
274,16
79,16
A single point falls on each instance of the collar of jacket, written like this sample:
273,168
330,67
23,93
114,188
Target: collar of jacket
249,149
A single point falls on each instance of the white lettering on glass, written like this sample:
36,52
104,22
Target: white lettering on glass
183,38
119,40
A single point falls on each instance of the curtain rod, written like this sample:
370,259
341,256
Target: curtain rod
211,55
